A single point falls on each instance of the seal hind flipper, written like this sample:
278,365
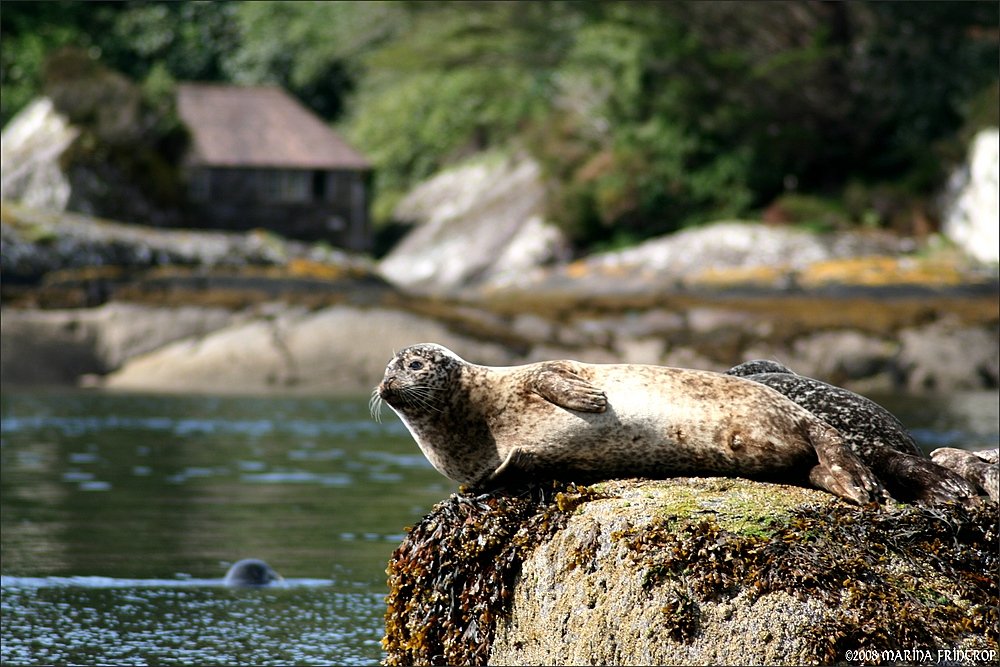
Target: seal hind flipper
912,478
991,456
873,434
559,384
978,468
840,471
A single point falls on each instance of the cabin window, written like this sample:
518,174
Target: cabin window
200,185
319,185
284,185
332,185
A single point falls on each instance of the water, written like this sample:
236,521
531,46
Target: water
121,513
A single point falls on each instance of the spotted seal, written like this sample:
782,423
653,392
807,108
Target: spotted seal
251,572
872,432
483,426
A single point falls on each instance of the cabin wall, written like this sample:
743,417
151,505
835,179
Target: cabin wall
314,205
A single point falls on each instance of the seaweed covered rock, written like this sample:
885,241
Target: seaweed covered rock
689,571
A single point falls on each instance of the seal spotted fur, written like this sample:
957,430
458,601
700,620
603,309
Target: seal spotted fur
482,425
871,431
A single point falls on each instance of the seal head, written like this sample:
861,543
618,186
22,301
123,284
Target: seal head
418,378
251,572
431,389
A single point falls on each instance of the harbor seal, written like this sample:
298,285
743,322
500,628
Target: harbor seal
485,426
251,572
872,432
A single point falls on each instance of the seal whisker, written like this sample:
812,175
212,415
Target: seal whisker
414,394
375,406
424,388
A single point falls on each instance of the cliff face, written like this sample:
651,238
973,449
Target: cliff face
688,571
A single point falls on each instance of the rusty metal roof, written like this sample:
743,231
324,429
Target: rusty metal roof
259,126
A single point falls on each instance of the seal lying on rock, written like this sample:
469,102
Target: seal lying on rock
486,426
874,434
981,469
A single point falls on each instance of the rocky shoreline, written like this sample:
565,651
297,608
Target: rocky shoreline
922,344
102,304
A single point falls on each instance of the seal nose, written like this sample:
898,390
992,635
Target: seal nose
386,386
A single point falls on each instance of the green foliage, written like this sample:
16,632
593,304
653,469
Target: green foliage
186,39
646,117
462,77
820,214
306,47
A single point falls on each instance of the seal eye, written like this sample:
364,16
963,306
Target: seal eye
416,365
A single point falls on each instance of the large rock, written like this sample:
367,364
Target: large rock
972,200
945,356
93,145
341,349
482,222
60,346
725,252
689,571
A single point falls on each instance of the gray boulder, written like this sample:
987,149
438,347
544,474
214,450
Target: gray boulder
945,356
61,346
341,350
478,223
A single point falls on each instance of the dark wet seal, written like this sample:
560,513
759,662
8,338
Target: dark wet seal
489,426
251,572
872,432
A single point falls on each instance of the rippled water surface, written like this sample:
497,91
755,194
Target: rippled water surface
121,513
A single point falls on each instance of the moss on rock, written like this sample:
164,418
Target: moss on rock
681,571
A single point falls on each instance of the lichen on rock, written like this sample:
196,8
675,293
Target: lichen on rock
687,571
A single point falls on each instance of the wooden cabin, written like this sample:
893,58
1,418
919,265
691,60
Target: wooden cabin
258,158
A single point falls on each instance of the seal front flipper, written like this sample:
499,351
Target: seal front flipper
515,470
559,384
